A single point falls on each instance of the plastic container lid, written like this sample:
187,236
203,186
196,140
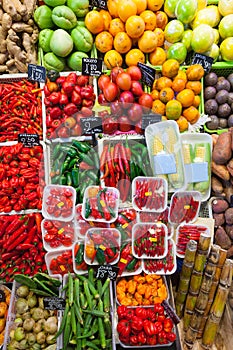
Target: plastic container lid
102,246
104,201
184,207
149,240
61,200
149,194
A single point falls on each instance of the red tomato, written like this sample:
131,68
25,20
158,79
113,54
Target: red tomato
123,80
103,81
111,92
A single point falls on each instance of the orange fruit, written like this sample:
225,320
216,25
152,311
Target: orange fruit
160,36
191,114
173,109
122,42
134,56
135,26
157,57
158,107
149,18
126,9
94,22
194,85
197,101
147,42
107,18
113,59
116,25
141,5
155,94
166,94
178,84
186,97
195,72
170,68
182,123
112,7
154,5
104,41
161,19
163,82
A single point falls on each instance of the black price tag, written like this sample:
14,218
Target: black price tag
170,312
107,271
205,61
54,303
92,66
100,4
29,140
148,74
91,125
150,119
36,73
2,296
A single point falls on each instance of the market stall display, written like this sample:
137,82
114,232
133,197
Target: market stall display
115,200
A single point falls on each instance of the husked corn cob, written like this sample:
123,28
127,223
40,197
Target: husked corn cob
176,179
187,156
172,139
202,153
157,146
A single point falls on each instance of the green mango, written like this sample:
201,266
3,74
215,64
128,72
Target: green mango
169,8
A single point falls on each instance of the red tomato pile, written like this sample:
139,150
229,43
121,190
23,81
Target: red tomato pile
123,92
144,326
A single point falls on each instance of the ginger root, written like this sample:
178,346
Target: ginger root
16,51
19,27
29,48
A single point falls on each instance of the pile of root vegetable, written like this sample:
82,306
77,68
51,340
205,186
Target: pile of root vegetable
18,35
222,189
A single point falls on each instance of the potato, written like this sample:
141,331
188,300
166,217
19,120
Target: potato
221,238
219,205
230,166
214,139
216,186
229,216
220,170
228,190
222,151
230,252
229,231
219,219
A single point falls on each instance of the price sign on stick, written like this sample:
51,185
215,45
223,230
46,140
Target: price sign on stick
29,140
107,271
148,74
54,303
92,66
205,61
36,73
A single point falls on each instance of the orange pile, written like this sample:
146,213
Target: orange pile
176,94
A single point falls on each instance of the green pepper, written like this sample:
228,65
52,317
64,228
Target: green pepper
92,175
55,179
100,256
62,180
132,170
65,165
68,179
72,152
73,162
85,158
94,155
56,150
81,146
124,235
87,209
79,255
131,265
75,177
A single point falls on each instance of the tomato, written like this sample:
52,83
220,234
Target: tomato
123,81
133,340
110,92
116,108
114,73
103,81
109,125
141,312
142,338
123,327
136,323
171,336
146,100
134,72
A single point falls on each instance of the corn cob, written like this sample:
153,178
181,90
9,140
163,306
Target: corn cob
187,156
157,146
176,179
202,153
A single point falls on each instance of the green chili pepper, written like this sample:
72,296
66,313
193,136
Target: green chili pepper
73,162
131,265
68,179
100,256
62,180
85,158
81,146
56,150
79,255
92,175
75,176
87,209
55,179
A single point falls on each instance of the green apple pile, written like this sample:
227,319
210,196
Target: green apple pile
197,27
63,36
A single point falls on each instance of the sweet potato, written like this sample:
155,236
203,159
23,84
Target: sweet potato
220,170
229,216
219,205
230,252
219,219
216,186
228,190
214,139
229,231
221,238
222,151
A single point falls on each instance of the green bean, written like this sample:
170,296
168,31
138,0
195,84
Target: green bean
67,331
91,345
90,286
63,322
105,286
77,291
87,294
83,301
106,300
101,327
78,313
73,321
96,313
91,275
78,341
70,288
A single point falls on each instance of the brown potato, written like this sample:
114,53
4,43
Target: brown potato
219,205
219,219
229,216
222,151
221,238
217,186
229,230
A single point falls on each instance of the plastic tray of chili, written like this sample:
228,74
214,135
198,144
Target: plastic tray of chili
100,204
81,225
141,290
102,246
128,265
149,240
165,266
59,202
57,234
149,194
59,262
13,313
184,207
23,177
157,217
143,327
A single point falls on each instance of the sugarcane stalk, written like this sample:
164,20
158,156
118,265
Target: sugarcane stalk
226,275
204,241
202,301
195,282
202,326
180,297
200,261
184,285
186,319
219,303
211,328
186,270
190,302
190,335
196,319
190,252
